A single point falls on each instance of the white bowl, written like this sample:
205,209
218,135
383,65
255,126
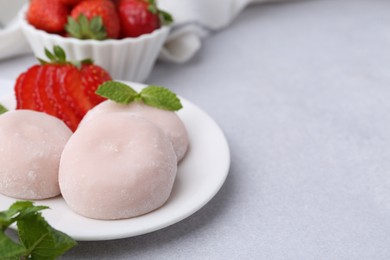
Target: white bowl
129,59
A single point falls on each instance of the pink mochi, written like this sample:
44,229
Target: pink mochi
31,144
168,121
117,166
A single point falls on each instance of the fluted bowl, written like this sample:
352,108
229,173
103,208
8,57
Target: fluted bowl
129,59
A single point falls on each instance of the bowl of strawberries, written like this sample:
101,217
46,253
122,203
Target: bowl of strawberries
122,36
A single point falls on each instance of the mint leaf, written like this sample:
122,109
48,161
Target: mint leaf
38,239
160,97
17,211
117,91
10,249
41,240
154,96
3,109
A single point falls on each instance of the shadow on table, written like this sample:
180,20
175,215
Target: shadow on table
170,235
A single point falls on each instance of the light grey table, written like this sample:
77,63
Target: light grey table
302,91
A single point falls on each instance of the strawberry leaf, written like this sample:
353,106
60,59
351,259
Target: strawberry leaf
165,17
82,28
59,54
49,55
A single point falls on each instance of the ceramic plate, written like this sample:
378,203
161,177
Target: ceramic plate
200,175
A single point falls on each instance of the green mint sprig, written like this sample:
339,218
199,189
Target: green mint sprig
37,239
155,96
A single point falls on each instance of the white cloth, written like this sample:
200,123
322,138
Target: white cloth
195,19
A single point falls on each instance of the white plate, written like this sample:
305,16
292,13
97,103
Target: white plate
200,175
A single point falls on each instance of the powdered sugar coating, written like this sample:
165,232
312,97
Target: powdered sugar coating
168,121
31,144
117,166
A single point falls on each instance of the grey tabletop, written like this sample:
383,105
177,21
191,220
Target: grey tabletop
302,91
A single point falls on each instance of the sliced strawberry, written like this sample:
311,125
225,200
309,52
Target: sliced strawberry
68,77
45,90
39,81
92,77
24,89
60,88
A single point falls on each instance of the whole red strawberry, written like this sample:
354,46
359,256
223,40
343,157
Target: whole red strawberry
60,88
84,24
139,17
47,15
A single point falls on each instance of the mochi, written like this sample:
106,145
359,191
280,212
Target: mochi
168,121
117,166
31,144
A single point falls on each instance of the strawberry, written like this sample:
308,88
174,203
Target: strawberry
48,15
91,77
94,19
24,89
139,17
70,2
60,88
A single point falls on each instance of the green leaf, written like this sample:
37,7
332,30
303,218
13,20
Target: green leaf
155,96
152,8
117,91
165,17
60,53
72,27
49,55
58,56
3,109
9,249
83,29
83,23
160,97
41,240
96,23
16,211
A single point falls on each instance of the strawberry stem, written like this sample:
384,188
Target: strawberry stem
58,56
165,17
82,28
